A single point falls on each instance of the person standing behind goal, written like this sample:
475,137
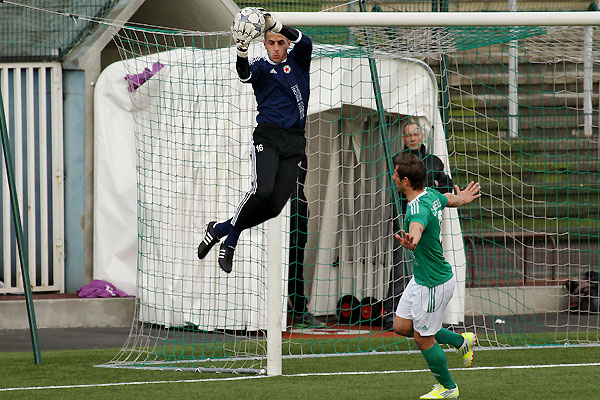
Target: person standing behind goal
281,86
413,137
421,308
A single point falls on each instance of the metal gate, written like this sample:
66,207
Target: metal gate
32,97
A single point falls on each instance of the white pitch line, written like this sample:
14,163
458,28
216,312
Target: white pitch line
131,383
298,375
451,369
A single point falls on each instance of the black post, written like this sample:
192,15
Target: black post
444,81
14,202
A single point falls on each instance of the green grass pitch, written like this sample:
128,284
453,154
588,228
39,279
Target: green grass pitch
549,373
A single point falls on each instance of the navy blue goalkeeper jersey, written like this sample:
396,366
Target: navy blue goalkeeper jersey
282,89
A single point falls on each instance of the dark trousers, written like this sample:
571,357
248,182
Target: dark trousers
399,276
298,239
296,278
276,154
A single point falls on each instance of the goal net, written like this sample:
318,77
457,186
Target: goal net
514,108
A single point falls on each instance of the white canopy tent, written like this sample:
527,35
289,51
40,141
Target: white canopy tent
350,248
176,287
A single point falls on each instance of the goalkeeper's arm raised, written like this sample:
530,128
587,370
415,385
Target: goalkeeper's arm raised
243,33
302,43
242,66
274,25
243,38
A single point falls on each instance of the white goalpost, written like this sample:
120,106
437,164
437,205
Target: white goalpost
503,100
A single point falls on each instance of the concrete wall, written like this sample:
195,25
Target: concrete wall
516,300
119,312
69,313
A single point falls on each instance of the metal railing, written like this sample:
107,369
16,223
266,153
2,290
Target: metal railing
525,272
32,97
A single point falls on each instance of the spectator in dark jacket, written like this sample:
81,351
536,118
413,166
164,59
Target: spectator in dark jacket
413,138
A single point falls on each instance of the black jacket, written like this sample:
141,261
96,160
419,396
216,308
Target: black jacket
435,172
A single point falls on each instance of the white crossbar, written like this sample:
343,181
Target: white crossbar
580,18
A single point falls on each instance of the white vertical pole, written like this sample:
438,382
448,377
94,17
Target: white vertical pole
18,160
588,44
58,191
43,154
513,82
30,162
274,296
6,217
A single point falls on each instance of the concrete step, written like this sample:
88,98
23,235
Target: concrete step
67,311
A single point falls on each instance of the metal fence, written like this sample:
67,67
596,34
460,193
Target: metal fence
32,98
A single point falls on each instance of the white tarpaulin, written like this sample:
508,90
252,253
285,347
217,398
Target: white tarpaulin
197,92
350,250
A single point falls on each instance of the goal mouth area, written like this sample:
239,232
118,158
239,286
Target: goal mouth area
511,255
183,366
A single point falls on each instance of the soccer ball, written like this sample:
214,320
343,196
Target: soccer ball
253,16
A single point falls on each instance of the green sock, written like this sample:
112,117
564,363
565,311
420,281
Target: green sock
436,360
444,336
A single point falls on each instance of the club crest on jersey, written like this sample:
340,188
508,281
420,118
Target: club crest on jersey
287,69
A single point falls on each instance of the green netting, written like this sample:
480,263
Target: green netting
536,226
409,41
26,34
416,5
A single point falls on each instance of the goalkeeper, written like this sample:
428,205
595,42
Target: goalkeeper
281,86
421,308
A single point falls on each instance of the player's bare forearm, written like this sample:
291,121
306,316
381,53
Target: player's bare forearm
465,196
411,239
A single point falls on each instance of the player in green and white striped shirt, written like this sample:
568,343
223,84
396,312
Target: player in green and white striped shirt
421,308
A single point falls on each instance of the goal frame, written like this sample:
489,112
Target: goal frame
404,19
273,290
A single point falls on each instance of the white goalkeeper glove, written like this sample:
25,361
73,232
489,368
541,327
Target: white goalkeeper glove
270,22
242,33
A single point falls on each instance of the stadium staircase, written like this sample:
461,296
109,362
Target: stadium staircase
543,171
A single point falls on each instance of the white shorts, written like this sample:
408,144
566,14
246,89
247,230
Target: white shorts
425,306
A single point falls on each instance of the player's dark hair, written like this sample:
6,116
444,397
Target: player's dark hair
290,34
412,167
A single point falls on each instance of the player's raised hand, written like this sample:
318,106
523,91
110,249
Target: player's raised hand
242,34
406,240
470,193
270,22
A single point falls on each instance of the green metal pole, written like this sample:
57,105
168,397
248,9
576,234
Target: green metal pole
383,126
445,106
14,201
444,82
